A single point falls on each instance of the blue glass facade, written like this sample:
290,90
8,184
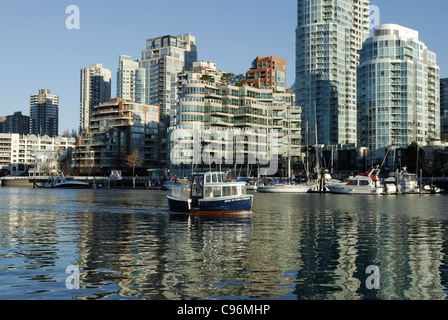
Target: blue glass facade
328,35
398,91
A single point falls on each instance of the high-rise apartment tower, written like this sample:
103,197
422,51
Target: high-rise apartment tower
44,113
328,36
444,109
398,91
95,88
131,80
164,58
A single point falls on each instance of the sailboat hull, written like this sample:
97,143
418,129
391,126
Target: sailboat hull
285,189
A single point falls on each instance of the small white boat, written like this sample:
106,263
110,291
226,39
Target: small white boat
287,188
178,182
406,182
367,183
252,184
432,189
251,187
389,187
65,182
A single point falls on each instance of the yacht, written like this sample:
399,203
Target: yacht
406,182
367,183
65,182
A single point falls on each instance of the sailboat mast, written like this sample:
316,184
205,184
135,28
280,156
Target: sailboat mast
288,115
315,134
307,144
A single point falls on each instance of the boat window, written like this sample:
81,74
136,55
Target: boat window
215,178
235,190
219,177
208,178
226,191
243,190
197,187
364,183
208,192
181,192
217,191
186,193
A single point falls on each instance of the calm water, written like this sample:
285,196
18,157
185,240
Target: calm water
127,245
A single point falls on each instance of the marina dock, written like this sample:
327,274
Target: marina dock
95,182
142,182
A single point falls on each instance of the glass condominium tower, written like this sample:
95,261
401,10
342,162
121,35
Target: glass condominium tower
164,58
95,88
130,80
398,91
328,36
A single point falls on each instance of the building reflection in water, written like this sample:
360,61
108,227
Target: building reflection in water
309,247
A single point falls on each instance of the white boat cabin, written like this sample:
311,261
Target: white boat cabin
210,185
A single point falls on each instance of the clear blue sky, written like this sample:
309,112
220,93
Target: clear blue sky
37,51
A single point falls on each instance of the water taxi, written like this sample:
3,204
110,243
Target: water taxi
210,193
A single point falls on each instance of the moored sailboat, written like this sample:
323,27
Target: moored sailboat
287,188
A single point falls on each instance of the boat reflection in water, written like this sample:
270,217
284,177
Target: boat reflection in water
211,193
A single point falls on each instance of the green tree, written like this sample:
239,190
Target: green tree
234,80
208,78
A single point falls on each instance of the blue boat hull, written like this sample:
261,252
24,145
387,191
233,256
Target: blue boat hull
212,206
232,205
178,205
